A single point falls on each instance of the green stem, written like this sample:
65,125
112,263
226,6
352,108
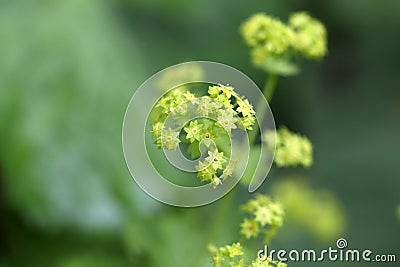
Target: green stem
268,92
225,203
269,87
222,209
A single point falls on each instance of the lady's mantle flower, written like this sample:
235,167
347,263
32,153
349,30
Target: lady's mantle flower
245,108
205,106
206,174
266,217
234,250
208,169
263,215
213,91
276,213
216,181
267,263
292,149
215,116
170,139
227,119
228,170
249,228
157,129
239,263
208,135
274,43
194,131
190,97
216,159
247,122
265,31
310,35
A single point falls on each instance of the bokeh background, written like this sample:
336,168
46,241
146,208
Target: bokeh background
68,70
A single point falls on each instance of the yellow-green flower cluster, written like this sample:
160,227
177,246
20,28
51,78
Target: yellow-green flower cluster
267,32
266,216
235,105
291,149
233,255
211,166
310,35
175,102
168,139
273,43
216,115
267,263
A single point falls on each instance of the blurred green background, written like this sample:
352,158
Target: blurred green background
68,70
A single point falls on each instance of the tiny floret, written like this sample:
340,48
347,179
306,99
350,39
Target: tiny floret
170,139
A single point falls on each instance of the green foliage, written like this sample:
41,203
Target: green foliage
91,260
170,242
65,76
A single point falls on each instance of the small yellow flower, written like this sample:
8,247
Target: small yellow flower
292,149
263,215
190,97
170,139
234,250
227,119
249,228
216,159
157,129
245,108
193,131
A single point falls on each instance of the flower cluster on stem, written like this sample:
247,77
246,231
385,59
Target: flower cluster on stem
217,113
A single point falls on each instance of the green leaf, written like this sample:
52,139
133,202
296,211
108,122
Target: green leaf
64,89
193,150
280,66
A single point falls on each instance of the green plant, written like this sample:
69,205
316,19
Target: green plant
273,45
274,48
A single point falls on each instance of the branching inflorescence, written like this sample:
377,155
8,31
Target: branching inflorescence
273,47
216,115
273,43
266,216
233,256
